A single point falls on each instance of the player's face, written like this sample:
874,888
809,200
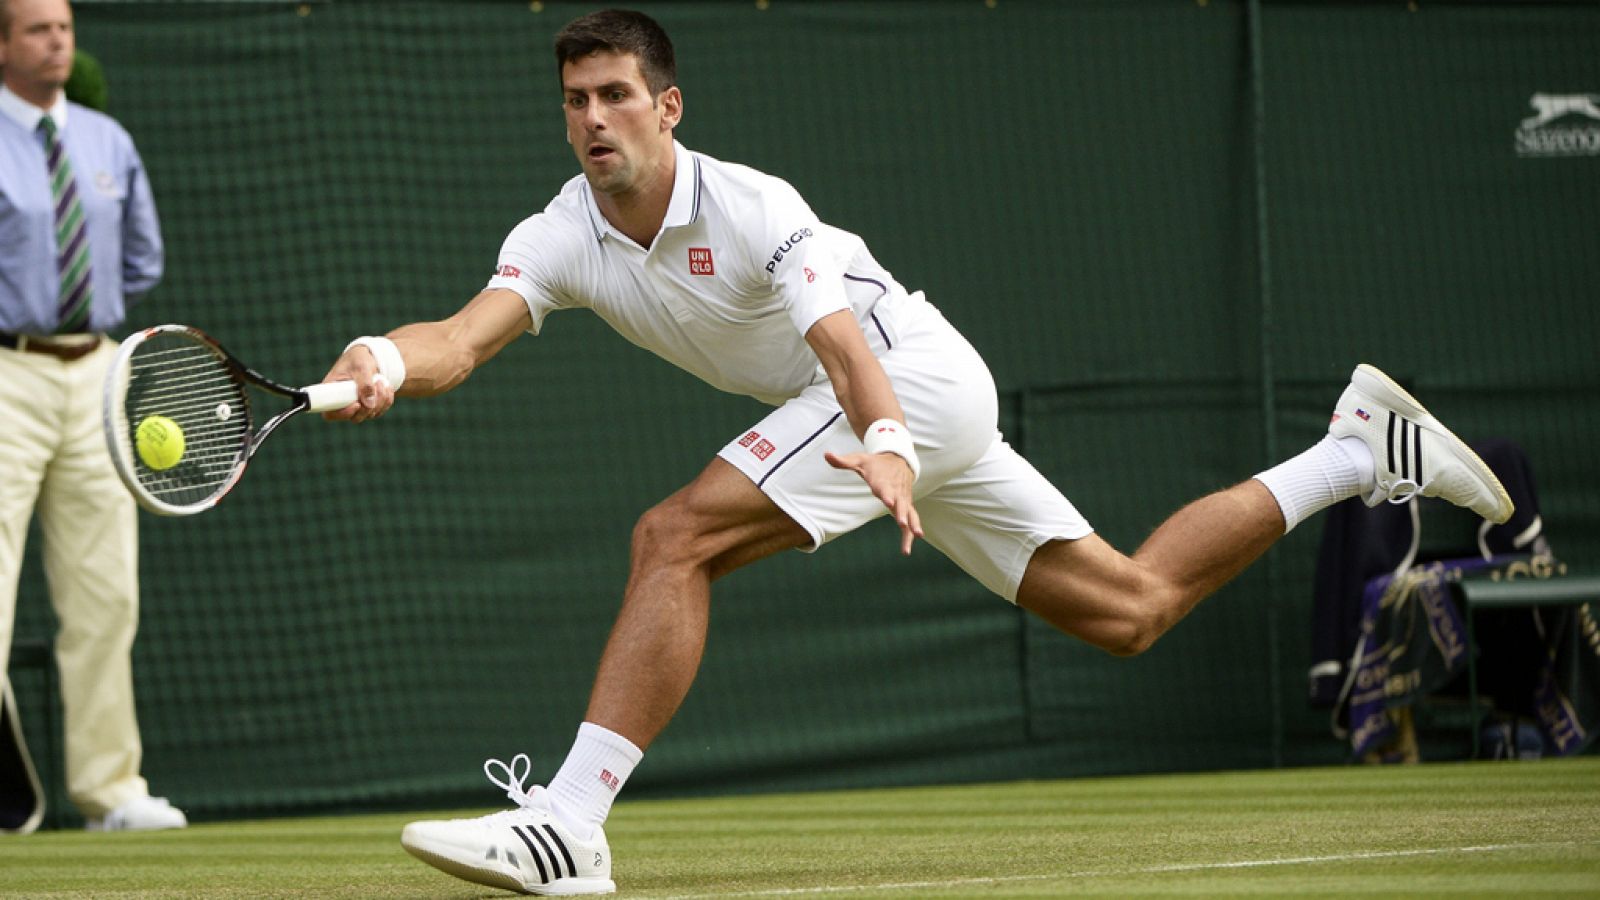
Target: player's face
37,50
618,131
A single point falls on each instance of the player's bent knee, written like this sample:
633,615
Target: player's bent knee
1127,625
661,536
671,534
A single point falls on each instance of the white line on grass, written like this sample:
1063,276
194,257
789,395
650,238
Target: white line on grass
1147,870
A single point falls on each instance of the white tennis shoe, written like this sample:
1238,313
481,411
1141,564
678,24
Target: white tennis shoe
1411,452
140,814
526,849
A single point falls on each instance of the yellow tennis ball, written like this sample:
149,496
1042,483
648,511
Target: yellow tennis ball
159,441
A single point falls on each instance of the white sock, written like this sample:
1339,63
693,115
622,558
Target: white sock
1333,469
597,766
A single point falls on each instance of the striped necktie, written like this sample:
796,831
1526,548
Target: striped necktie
72,236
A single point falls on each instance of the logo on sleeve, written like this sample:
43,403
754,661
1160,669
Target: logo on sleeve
700,261
508,272
785,247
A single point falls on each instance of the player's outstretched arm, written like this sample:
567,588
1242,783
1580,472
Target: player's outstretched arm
867,397
436,356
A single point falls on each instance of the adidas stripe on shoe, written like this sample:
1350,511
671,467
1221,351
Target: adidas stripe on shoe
526,849
1412,453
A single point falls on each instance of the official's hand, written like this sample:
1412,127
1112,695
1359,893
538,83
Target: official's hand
890,479
374,396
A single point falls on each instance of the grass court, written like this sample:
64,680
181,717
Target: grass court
1453,829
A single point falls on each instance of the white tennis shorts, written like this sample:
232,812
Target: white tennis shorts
980,502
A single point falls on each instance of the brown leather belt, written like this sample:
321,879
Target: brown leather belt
48,346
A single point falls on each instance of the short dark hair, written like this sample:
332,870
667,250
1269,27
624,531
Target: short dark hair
620,31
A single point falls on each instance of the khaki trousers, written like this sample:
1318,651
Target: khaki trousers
53,460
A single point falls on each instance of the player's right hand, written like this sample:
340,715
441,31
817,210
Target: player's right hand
374,396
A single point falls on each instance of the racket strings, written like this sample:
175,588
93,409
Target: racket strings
188,382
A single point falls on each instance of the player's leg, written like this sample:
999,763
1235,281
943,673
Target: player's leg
1122,604
554,843
715,524
1012,530
1007,526
1381,445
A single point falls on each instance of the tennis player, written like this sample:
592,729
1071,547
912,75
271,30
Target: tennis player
881,407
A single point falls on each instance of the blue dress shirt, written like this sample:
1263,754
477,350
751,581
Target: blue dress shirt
124,233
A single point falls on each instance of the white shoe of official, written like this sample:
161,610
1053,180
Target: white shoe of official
140,814
524,849
1411,452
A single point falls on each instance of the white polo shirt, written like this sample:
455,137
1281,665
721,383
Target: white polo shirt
741,269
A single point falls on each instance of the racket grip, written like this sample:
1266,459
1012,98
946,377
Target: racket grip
330,396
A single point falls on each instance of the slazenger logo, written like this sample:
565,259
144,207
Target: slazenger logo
785,247
1553,131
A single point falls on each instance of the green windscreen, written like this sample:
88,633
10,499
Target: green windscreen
1172,228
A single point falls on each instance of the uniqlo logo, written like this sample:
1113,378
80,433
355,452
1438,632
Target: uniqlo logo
509,272
763,449
749,439
700,261
609,780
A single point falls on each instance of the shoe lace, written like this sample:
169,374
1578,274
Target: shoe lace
511,778
1401,490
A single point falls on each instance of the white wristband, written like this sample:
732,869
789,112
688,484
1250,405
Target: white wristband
889,436
390,364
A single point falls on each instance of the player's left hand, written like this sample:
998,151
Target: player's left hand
890,479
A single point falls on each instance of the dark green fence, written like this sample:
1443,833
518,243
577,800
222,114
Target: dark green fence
1172,228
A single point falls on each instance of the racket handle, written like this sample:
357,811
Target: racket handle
330,396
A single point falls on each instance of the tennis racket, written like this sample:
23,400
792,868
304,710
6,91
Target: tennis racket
181,422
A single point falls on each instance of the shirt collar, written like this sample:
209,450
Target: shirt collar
27,115
682,209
